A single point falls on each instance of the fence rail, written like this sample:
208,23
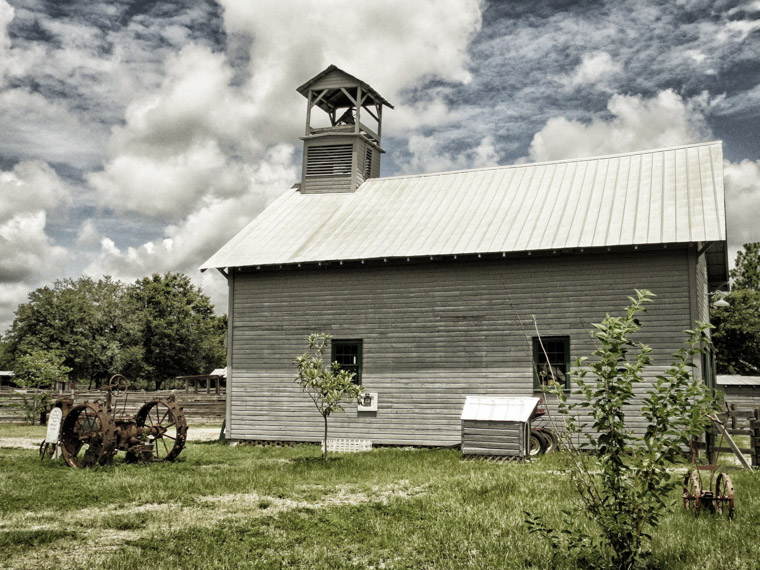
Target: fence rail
735,415
199,407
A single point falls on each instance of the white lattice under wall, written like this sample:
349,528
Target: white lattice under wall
345,445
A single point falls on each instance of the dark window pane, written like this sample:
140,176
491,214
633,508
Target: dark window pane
347,353
550,358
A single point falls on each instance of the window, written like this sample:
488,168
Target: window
551,355
348,353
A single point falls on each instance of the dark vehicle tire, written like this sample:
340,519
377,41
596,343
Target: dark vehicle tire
538,443
551,439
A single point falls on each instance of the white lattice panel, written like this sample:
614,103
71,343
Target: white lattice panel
345,445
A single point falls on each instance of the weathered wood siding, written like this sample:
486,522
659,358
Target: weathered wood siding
334,80
494,438
433,333
347,182
702,298
741,395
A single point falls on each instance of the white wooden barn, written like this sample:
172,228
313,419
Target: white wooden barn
429,283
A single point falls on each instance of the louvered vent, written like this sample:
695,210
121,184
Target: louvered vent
368,164
330,160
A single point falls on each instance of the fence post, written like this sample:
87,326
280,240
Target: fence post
754,438
733,416
710,445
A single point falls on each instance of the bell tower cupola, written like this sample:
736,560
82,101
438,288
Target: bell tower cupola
341,146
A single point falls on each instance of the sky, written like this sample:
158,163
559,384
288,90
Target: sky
139,136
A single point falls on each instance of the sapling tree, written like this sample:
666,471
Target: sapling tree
38,372
622,477
327,385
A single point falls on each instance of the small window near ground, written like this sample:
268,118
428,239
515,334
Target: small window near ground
551,361
348,354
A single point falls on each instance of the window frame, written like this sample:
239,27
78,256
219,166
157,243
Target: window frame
359,356
537,351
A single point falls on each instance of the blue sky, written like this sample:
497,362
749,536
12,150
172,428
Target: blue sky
140,136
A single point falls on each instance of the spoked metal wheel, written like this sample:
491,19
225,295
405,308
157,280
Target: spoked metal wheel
164,428
47,450
692,493
88,436
724,495
538,443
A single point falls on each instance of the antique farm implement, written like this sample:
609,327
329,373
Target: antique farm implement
93,432
705,488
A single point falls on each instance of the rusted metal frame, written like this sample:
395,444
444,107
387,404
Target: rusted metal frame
97,426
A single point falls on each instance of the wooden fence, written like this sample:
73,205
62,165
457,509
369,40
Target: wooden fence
199,407
739,420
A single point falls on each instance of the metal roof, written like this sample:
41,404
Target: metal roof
499,409
341,99
735,380
672,195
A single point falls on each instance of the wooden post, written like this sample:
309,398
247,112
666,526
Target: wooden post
754,438
710,445
733,416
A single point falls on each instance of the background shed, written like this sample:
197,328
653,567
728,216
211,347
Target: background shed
740,390
493,425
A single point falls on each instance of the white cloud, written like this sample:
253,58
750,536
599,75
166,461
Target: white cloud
184,246
28,257
30,187
596,69
428,155
393,45
209,148
742,182
740,29
637,123
88,233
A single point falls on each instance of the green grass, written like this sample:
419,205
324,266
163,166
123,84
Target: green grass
231,507
23,430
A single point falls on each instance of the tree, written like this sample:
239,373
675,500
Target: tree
38,371
85,321
156,328
327,386
625,480
737,326
737,333
178,331
746,271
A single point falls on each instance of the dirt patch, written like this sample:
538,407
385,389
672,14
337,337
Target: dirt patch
98,537
193,434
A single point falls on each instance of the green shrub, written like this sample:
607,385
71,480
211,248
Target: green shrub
622,477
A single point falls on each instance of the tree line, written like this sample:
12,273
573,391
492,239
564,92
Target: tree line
737,325
85,331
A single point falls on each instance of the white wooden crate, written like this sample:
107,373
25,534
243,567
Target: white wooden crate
346,445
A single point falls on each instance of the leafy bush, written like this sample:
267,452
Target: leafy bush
38,372
622,477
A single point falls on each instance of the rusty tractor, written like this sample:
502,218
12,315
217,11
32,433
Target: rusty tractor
93,432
